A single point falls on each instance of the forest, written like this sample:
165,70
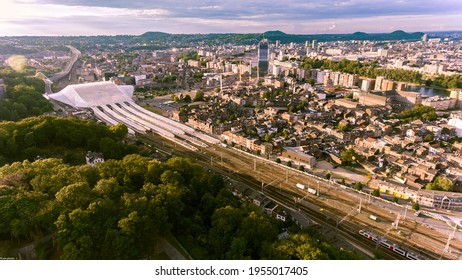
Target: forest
118,209
24,95
66,138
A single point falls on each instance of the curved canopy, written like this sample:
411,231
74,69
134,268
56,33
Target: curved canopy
93,94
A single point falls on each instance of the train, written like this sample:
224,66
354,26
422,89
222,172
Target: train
308,189
393,247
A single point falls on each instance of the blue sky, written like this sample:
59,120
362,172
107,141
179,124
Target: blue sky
112,17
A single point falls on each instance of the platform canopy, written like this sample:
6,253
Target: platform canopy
93,94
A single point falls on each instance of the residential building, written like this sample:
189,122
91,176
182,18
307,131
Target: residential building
440,103
408,97
299,155
457,94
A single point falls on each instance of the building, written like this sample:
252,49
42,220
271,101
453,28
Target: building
263,56
408,97
299,155
456,121
429,198
371,99
367,84
440,103
383,84
457,94
424,37
93,158
378,82
314,45
345,102
382,53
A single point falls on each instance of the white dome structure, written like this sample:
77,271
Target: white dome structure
93,94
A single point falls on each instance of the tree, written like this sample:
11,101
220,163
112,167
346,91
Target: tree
359,186
199,96
187,98
441,183
301,246
376,193
289,163
416,206
328,176
301,167
429,137
394,199
311,81
349,156
278,160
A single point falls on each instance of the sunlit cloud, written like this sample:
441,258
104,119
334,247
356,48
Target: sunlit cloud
93,17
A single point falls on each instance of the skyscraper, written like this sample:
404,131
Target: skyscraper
263,55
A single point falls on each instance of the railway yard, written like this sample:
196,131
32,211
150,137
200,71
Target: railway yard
338,211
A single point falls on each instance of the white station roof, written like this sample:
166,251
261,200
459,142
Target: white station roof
93,94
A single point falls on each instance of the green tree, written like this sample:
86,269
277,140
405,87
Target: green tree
376,192
359,186
301,246
278,160
429,137
187,98
416,206
199,96
349,156
441,183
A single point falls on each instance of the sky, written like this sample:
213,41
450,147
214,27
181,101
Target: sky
134,17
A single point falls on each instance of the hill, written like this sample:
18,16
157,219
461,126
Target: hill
272,36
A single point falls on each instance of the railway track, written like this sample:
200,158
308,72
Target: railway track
336,203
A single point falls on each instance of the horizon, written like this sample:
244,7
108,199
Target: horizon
116,17
218,33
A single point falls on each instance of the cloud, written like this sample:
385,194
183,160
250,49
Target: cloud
49,17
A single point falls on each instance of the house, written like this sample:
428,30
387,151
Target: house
282,215
93,158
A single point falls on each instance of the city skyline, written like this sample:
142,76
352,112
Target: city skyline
84,17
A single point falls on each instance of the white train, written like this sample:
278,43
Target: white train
308,189
393,247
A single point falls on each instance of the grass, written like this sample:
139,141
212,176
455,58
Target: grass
155,110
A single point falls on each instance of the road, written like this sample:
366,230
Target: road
74,57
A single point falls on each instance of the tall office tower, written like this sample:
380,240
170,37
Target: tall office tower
314,45
263,55
424,37
307,44
278,42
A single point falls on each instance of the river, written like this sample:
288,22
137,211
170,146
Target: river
428,91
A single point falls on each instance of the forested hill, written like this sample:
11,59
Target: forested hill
272,36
